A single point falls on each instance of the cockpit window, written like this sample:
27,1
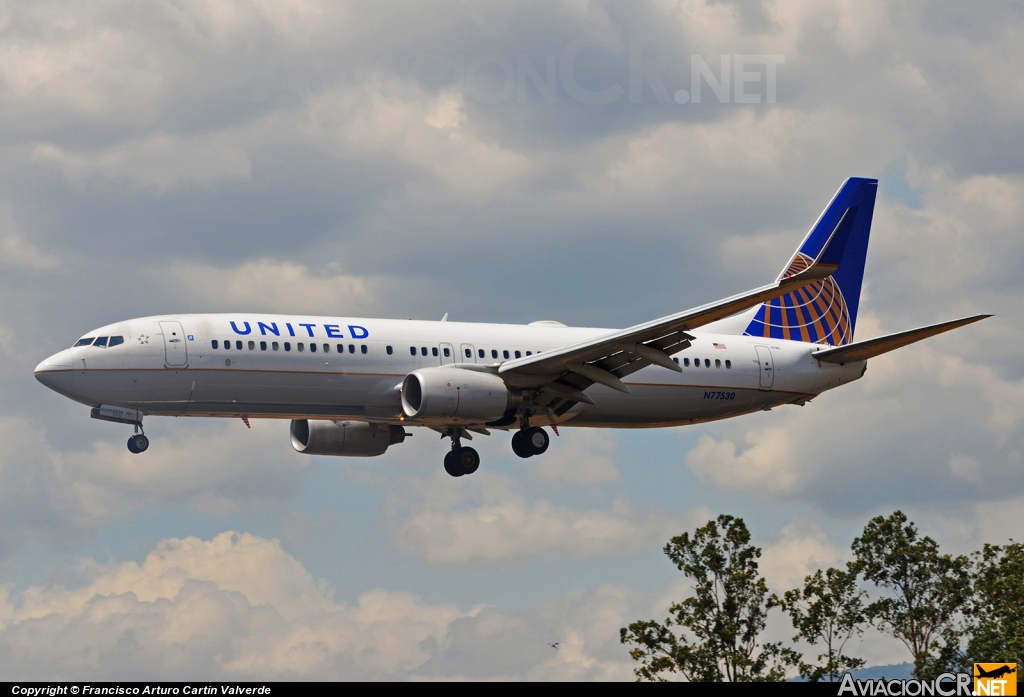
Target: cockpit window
102,341
86,341
115,341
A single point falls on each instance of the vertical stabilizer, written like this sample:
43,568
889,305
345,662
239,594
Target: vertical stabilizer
825,312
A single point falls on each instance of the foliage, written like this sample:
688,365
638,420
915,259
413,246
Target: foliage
828,610
996,625
720,624
927,589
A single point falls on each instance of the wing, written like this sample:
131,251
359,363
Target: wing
565,372
863,350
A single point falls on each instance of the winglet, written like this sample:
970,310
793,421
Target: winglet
831,254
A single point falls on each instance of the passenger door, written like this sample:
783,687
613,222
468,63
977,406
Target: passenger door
468,354
175,349
767,367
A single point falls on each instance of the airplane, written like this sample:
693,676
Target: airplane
351,386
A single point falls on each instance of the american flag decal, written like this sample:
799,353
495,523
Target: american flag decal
717,345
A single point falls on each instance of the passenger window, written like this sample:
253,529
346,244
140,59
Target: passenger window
518,354
312,348
433,350
412,350
327,348
728,363
227,345
686,362
494,353
480,352
505,353
88,340
423,350
214,344
300,346
263,346
115,341
388,349
287,346
529,353
102,342
469,354
447,353
707,362
341,348
676,360
718,363
252,345
238,345
274,346
362,348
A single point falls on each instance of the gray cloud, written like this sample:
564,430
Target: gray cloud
335,156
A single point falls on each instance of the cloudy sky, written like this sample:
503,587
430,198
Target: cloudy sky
499,162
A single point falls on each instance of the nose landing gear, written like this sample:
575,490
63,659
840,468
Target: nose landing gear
528,442
138,443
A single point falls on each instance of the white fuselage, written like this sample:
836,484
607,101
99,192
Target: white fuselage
168,366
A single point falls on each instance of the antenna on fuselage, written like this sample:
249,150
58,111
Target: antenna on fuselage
445,318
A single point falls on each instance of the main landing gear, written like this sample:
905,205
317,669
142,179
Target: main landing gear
528,442
462,459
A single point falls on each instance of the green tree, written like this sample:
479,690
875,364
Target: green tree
996,625
827,611
719,626
927,590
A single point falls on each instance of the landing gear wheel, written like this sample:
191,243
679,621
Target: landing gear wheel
468,459
138,443
537,440
461,461
520,446
450,465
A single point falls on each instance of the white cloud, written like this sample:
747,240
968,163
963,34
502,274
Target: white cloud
800,549
17,252
268,285
89,69
296,20
764,468
430,133
239,607
54,497
160,162
161,99
232,607
487,523
583,456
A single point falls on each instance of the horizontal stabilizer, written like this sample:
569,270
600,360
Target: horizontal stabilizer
863,350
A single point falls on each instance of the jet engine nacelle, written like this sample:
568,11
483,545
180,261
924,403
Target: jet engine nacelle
456,394
352,438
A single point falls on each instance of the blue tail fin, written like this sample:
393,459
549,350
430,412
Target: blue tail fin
825,312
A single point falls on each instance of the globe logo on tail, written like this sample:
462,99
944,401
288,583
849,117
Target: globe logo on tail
815,314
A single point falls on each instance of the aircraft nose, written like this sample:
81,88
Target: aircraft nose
55,372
